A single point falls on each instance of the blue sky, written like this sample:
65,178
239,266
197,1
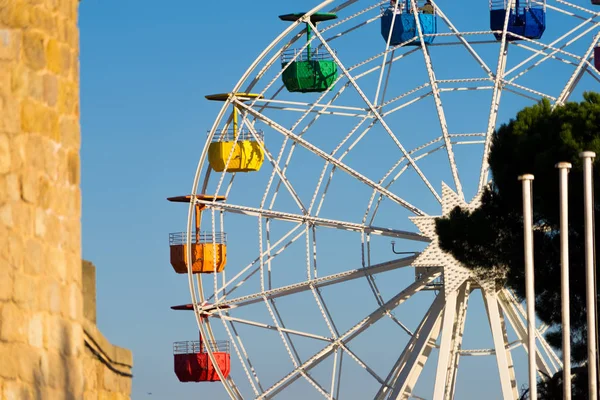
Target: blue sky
145,68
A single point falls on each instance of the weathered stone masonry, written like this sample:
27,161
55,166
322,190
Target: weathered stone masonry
48,348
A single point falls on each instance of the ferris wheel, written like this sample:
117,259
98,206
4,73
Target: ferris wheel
311,253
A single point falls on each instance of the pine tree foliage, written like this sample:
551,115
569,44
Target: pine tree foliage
491,237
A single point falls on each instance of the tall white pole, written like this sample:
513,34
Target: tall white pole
563,172
527,181
588,205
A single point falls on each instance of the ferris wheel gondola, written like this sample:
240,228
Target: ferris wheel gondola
354,144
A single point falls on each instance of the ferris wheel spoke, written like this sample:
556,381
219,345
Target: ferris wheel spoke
438,103
508,381
240,350
376,114
403,376
294,144
272,327
326,166
551,46
280,173
318,221
335,161
384,58
289,344
578,73
509,306
361,363
323,109
316,283
496,94
464,41
403,169
352,333
512,301
522,89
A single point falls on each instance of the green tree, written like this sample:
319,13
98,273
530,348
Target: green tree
491,237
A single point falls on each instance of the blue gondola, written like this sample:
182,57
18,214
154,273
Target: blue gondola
405,27
527,18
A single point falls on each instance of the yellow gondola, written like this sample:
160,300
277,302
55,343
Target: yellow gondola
240,146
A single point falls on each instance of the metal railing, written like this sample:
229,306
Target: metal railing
197,347
520,5
242,135
405,6
179,238
305,55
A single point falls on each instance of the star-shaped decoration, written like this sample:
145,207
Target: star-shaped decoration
455,273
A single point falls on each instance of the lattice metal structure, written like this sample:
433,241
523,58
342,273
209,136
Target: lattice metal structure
313,300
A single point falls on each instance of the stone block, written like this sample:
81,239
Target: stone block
50,89
14,390
35,86
19,82
34,49
18,146
74,268
56,258
56,371
9,109
74,377
34,117
29,185
40,223
35,151
15,324
73,167
5,76
49,150
26,293
70,132
29,369
89,370
13,187
77,340
56,335
6,215
38,118
15,248
34,257
10,365
53,56
65,62
5,154
36,330
46,195
89,290
23,218
54,296
68,97
10,44
75,302
111,381
42,18
6,282
15,14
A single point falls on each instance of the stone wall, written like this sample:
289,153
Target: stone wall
42,328
107,368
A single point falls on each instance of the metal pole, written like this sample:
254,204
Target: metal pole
563,171
588,157
529,282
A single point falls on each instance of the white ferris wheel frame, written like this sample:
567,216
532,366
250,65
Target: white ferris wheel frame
446,315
